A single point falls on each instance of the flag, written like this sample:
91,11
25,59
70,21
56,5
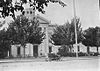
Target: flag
59,1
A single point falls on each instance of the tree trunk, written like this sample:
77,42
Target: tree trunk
71,46
23,45
24,52
78,48
9,52
88,49
97,49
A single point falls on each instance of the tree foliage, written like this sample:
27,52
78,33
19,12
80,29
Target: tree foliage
65,35
4,41
61,35
8,7
97,42
79,31
92,37
23,31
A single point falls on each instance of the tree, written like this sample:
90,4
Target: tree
92,36
61,35
5,42
65,34
21,31
97,42
3,45
8,6
79,31
88,41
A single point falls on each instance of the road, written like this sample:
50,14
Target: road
92,64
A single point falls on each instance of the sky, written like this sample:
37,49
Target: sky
87,10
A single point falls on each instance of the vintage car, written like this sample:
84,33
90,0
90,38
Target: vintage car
53,56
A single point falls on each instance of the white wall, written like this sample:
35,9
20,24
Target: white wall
13,51
42,48
29,49
93,49
55,49
22,51
99,49
82,48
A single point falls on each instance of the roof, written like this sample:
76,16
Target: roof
42,20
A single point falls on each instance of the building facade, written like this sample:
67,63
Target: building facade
34,50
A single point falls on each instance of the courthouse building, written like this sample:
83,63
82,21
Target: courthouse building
46,46
36,49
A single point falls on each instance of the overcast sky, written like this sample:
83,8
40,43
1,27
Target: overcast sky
87,10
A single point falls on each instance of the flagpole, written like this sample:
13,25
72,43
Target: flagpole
74,8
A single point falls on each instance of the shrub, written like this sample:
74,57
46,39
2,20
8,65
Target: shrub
94,54
82,54
2,54
65,54
70,54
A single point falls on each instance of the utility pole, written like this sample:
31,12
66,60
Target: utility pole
74,8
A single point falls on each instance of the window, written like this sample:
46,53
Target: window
18,50
50,49
30,12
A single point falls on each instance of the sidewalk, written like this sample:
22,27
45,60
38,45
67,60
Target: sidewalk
81,58
42,59
22,60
